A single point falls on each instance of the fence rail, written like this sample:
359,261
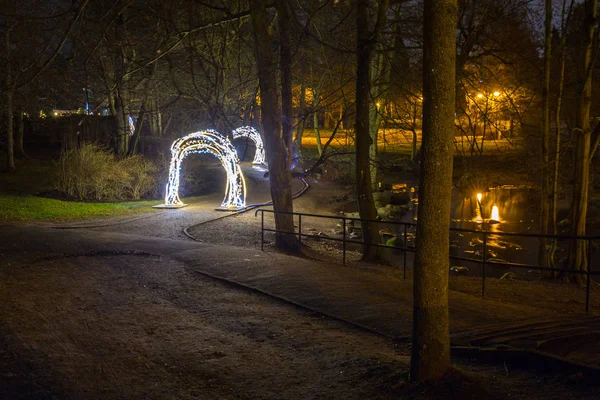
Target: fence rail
483,261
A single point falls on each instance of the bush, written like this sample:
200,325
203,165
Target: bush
91,172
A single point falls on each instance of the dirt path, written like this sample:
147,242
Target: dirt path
145,327
135,319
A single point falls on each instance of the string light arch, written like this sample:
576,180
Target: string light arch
254,135
131,125
207,142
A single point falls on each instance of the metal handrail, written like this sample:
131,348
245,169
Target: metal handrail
483,260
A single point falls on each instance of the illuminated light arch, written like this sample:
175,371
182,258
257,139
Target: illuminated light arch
207,142
131,124
254,135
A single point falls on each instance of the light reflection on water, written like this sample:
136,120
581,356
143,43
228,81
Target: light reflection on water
516,212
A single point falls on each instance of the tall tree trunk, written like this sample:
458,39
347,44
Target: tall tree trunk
375,103
380,83
19,149
277,155
414,133
285,68
316,94
135,137
545,195
557,122
301,109
431,340
10,153
366,207
582,135
122,125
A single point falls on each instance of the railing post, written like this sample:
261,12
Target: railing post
262,230
483,264
588,283
404,242
344,241
299,229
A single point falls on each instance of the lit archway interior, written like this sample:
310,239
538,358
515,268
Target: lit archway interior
254,135
207,142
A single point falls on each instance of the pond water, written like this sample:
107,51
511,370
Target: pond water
500,209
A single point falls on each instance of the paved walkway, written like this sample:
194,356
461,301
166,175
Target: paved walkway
362,297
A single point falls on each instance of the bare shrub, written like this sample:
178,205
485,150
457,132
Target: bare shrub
91,172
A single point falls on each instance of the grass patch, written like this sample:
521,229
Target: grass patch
24,207
18,200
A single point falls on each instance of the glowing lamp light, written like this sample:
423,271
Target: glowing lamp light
207,142
479,195
496,94
479,95
254,135
495,214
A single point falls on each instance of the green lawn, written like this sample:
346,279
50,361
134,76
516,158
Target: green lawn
18,200
25,207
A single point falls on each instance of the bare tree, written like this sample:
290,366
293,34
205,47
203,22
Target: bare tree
582,134
366,206
431,337
545,193
276,151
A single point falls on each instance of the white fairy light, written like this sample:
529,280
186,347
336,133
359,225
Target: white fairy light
208,142
131,125
254,135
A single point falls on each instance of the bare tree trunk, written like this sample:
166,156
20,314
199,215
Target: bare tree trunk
431,339
414,133
279,173
122,133
582,134
316,94
544,161
301,109
10,146
135,137
19,149
10,154
366,206
561,84
285,68
375,104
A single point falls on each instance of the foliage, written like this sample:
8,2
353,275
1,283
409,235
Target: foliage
91,172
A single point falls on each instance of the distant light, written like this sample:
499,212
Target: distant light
479,196
479,95
496,94
378,104
55,114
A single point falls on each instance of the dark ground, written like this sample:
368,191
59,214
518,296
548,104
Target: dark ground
128,311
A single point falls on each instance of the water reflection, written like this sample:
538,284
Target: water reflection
501,209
